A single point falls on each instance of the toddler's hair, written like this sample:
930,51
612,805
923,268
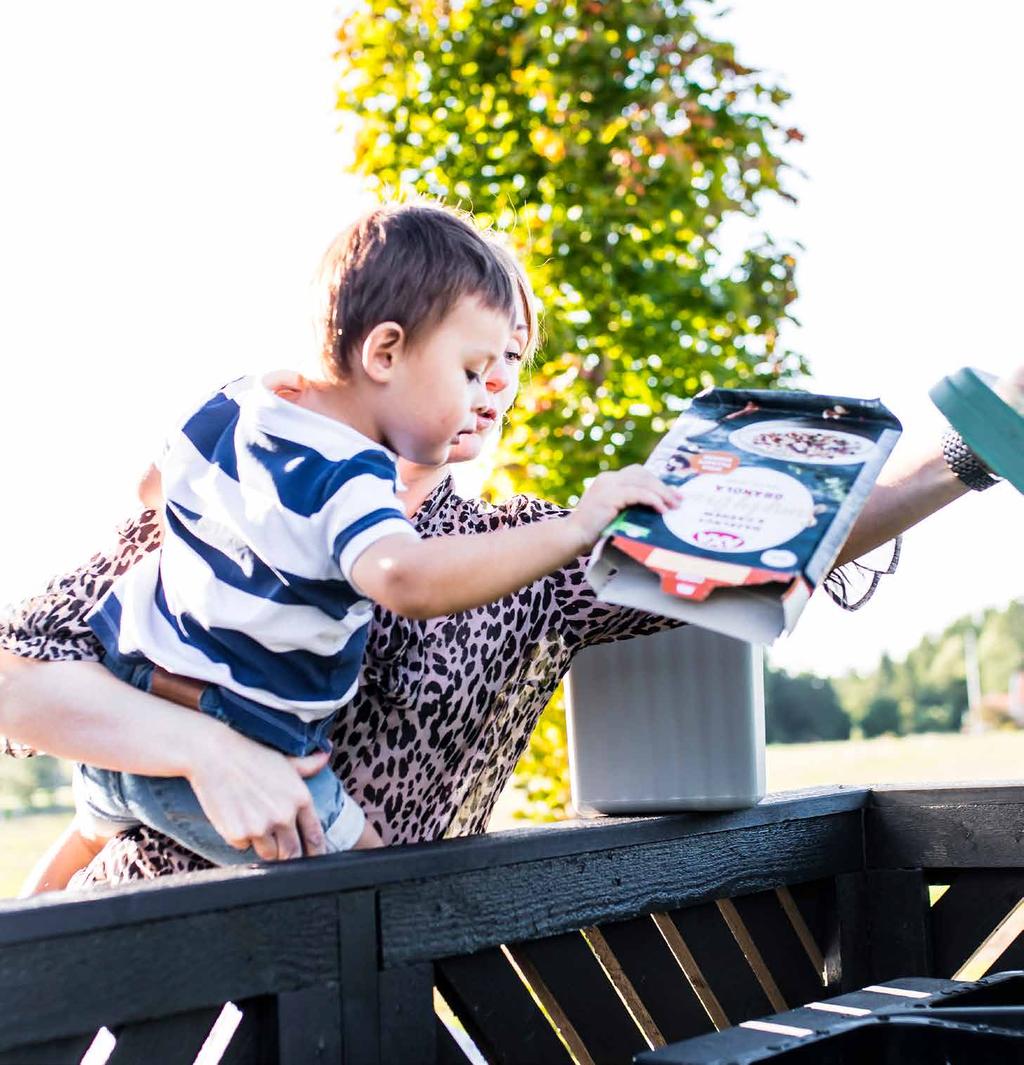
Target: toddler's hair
408,263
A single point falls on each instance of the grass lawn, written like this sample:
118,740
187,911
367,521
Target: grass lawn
936,756
931,757
22,840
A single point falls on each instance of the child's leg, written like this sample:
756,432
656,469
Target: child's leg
170,805
74,849
100,814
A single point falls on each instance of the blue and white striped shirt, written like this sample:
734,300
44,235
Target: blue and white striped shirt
268,506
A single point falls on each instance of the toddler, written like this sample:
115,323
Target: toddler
282,528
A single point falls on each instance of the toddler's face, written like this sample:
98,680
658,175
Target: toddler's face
440,390
502,384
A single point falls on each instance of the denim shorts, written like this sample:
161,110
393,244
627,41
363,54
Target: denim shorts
110,801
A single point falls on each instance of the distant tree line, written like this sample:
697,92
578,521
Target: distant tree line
926,692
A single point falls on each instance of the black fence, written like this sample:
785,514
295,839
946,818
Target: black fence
588,942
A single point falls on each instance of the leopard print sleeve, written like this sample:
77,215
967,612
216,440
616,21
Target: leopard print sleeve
51,627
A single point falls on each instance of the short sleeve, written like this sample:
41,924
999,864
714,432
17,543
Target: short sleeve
363,509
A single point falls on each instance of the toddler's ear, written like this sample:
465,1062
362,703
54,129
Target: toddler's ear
381,349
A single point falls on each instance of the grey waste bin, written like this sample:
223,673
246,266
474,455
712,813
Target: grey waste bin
665,723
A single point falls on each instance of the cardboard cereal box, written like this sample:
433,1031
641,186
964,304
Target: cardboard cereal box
772,483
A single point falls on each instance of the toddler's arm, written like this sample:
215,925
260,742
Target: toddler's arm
443,575
252,794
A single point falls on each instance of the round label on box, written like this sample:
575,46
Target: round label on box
750,509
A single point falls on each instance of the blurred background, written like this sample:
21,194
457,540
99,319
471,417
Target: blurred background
773,193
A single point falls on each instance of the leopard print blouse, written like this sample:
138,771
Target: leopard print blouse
444,709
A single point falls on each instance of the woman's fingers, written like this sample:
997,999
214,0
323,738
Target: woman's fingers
311,831
265,847
287,843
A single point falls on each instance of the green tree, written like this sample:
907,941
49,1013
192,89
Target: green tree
803,708
883,715
611,141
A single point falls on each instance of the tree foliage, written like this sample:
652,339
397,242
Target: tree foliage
929,687
611,141
882,716
802,709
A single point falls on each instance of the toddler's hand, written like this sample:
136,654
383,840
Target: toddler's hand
611,493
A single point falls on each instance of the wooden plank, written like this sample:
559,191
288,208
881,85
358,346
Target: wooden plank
407,1022
449,1052
218,889
802,929
969,911
750,950
657,978
487,995
454,915
721,960
1007,792
784,954
898,924
551,1006
816,904
623,986
49,1052
883,926
164,1040
55,987
848,965
669,930
358,973
257,1039
575,979
309,1025
971,836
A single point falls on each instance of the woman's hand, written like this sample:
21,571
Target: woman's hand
80,711
255,796
611,493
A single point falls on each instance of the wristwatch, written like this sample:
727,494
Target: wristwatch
965,463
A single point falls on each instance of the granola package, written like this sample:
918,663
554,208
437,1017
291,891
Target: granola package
771,485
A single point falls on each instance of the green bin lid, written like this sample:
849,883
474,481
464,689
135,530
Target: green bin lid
991,428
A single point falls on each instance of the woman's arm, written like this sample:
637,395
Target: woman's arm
916,487
252,794
913,489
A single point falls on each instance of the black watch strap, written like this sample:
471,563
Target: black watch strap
964,463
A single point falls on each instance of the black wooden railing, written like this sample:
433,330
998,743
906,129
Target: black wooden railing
592,941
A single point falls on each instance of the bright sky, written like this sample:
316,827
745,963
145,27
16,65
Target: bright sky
171,175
